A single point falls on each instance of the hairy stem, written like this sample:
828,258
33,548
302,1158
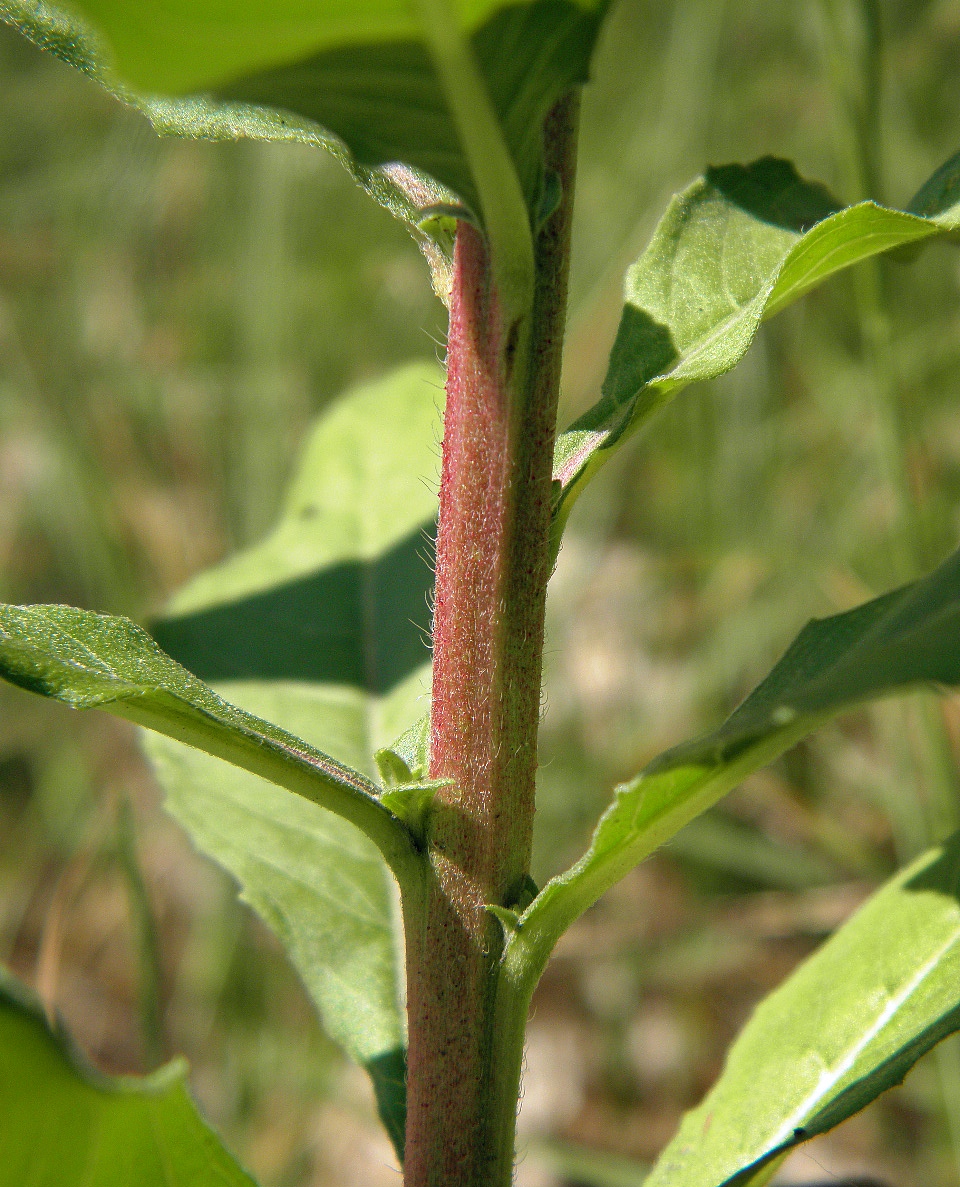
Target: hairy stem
492,569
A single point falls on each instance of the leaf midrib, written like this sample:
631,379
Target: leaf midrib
829,1079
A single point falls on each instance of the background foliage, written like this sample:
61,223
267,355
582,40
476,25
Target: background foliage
173,314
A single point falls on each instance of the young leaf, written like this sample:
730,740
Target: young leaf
61,1122
323,628
847,1025
902,639
738,245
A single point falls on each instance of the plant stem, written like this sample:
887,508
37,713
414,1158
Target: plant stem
492,570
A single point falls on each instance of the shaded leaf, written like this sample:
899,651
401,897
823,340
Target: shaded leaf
902,639
738,245
322,628
847,1025
62,1123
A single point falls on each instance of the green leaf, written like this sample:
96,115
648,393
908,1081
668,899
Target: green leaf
847,1025
737,246
322,628
902,639
62,1123
314,879
91,661
402,191
360,79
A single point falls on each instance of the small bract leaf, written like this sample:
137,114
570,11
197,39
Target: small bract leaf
63,1123
735,247
847,1025
407,760
902,639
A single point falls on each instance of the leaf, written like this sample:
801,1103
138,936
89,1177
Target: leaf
902,639
359,80
314,879
402,191
735,247
62,1123
322,628
91,661
847,1025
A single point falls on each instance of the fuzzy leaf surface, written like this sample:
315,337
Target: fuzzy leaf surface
847,1025
89,661
735,247
903,639
62,1123
321,628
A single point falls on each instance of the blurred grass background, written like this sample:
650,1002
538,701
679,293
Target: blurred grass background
172,315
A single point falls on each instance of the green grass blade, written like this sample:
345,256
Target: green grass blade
62,1123
735,247
847,1025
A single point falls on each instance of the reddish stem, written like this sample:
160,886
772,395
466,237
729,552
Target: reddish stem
492,570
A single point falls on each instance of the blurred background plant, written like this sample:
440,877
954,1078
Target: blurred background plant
172,315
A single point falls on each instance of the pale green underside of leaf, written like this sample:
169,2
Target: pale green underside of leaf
737,246
314,879
322,628
905,638
847,1025
62,1123
185,45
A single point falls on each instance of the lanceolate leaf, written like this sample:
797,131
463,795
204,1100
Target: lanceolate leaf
904,638
848,1024
323,628
62,1123
738,245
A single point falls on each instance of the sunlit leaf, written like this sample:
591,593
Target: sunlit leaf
905,638
847,1025
96,661
62,1123
734,248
